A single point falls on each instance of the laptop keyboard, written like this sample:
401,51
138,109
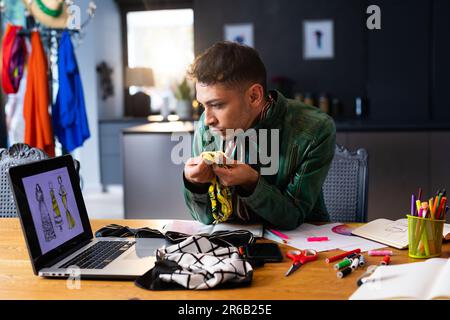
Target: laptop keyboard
99,255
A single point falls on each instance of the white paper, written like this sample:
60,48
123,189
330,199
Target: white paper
298,239
405,281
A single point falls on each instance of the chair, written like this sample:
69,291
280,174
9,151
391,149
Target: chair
17,154
346,186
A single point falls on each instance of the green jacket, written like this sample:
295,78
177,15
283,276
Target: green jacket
294,194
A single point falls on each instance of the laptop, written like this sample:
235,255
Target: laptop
57,230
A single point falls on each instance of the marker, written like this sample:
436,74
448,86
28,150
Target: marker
278,233
370,269
413,205
418,205
344,272
318,239
341,256
355,264
362,261
272,236
385,260
380,253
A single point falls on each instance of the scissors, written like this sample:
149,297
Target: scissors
299,258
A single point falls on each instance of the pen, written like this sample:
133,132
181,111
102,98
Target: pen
342,255
278,233
418,205
274,237
413,205
439,202
430,206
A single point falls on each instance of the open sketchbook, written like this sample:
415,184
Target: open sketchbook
194,227
429,280
391,233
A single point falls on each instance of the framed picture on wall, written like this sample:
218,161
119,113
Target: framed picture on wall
240,33
318,39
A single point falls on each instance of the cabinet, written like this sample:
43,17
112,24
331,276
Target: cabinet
110,149
153,178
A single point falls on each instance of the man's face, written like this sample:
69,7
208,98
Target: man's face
225,108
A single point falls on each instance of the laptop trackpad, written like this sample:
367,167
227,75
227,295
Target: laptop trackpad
146,247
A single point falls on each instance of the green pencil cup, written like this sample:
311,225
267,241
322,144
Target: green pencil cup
424,237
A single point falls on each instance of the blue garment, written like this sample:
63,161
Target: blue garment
70,123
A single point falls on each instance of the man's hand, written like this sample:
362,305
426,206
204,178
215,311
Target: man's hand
197,171
238,174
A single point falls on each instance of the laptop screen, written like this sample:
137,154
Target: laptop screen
53,208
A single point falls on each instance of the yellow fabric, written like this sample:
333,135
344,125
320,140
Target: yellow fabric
218,194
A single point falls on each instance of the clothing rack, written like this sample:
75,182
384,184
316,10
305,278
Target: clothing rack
47,35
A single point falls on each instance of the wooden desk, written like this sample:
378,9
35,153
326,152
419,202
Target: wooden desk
316,280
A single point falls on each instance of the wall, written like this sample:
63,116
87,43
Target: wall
102,42
278,37
109,49
401,69
397,170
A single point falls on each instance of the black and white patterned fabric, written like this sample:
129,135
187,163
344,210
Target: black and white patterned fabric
198,264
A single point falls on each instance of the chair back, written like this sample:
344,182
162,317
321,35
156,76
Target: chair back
346,186
16,155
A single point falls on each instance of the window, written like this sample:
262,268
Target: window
162,40
13,13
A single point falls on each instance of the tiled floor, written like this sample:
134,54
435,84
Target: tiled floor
108,205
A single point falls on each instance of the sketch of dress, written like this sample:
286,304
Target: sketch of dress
56,211
47,225
63,195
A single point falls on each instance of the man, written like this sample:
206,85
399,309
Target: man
231,86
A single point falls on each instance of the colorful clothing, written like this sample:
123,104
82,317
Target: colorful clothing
69,111
38,129
13,59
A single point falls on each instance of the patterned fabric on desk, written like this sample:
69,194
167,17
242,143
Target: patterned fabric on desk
197,263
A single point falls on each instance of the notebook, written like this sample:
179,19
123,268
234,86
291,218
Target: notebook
429,280
194,227
391,233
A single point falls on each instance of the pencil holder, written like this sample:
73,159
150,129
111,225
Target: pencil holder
424,237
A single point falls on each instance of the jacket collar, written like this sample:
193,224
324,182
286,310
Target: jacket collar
275,116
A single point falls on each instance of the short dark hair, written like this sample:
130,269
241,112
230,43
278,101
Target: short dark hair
230,64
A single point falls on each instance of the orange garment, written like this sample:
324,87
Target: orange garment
38,129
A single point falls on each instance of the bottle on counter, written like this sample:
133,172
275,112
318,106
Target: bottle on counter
309,99
324,103
361,109
336,108
300,97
